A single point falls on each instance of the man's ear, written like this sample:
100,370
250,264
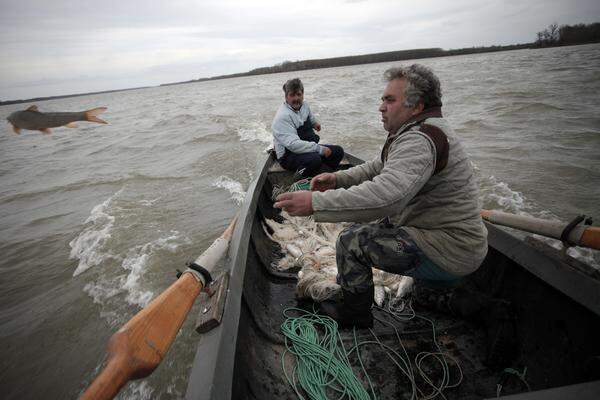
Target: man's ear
418,109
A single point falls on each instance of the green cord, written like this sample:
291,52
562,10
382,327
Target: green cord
322,364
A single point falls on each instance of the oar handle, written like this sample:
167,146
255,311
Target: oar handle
141,344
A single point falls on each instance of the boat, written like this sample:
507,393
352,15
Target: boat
557,301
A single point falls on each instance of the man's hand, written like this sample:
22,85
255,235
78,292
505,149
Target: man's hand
317,127
327,151
323,182
297,204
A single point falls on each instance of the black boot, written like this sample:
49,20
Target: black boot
354,310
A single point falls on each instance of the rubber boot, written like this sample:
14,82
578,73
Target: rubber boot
353,311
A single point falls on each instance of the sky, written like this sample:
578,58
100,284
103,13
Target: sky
58,47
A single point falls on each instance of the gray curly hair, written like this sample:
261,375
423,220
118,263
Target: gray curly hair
423,86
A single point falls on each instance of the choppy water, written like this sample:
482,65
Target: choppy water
94,220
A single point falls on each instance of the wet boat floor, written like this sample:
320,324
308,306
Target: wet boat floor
267,293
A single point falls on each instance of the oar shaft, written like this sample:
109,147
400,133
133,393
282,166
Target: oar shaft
581,235
141,344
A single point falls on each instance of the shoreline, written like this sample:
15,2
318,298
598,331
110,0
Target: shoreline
301,65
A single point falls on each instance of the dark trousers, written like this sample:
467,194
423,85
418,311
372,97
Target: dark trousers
312,162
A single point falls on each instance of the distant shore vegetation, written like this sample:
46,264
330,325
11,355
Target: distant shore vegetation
554,35
565,35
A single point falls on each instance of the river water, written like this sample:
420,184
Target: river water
95,220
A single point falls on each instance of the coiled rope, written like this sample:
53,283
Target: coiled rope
322,361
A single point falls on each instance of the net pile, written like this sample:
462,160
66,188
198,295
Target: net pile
310,246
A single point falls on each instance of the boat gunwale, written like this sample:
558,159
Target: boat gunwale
212,369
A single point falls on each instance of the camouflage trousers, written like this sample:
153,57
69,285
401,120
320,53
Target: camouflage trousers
384,246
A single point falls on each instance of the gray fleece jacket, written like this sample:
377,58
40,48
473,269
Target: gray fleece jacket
440,212
285,126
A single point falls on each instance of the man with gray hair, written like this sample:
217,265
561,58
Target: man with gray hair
295,141
423,193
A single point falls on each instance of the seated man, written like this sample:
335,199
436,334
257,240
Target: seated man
423,194
295,142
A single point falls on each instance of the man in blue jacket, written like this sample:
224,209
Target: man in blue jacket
295,141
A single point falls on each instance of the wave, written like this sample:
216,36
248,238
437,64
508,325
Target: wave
211,137
87,247
136,264
149,203
529,108
256,131
45,220
501,195
234,187
132,177
176,120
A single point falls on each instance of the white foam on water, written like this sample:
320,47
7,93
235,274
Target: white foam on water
139,390
149,203
234,187
100,292
255,131
135,263
501,194
88,246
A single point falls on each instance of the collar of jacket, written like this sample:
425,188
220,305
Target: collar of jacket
431,112
292,108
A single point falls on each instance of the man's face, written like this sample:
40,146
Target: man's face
393,112
294,99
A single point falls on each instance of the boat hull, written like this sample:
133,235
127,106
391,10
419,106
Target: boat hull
558,320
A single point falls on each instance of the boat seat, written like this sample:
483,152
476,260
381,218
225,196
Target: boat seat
276,167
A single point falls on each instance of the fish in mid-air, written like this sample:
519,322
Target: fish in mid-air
35,120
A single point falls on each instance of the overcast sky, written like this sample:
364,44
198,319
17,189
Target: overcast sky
54,47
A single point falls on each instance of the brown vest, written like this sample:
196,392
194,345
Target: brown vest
437,136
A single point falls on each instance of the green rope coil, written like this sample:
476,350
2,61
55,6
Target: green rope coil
322,363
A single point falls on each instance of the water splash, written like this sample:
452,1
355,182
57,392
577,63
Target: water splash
87,247
136,262
234,187
255,131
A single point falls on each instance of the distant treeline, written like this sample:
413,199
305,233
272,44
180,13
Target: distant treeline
556,35
4,103
389,56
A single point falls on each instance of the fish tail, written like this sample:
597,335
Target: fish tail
91,115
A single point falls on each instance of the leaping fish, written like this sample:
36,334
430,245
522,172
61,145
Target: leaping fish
35,120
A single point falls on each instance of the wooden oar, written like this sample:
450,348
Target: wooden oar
580,235
141,344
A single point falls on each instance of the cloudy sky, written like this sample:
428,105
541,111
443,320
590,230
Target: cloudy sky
54,47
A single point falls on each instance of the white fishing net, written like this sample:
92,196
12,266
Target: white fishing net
310,246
